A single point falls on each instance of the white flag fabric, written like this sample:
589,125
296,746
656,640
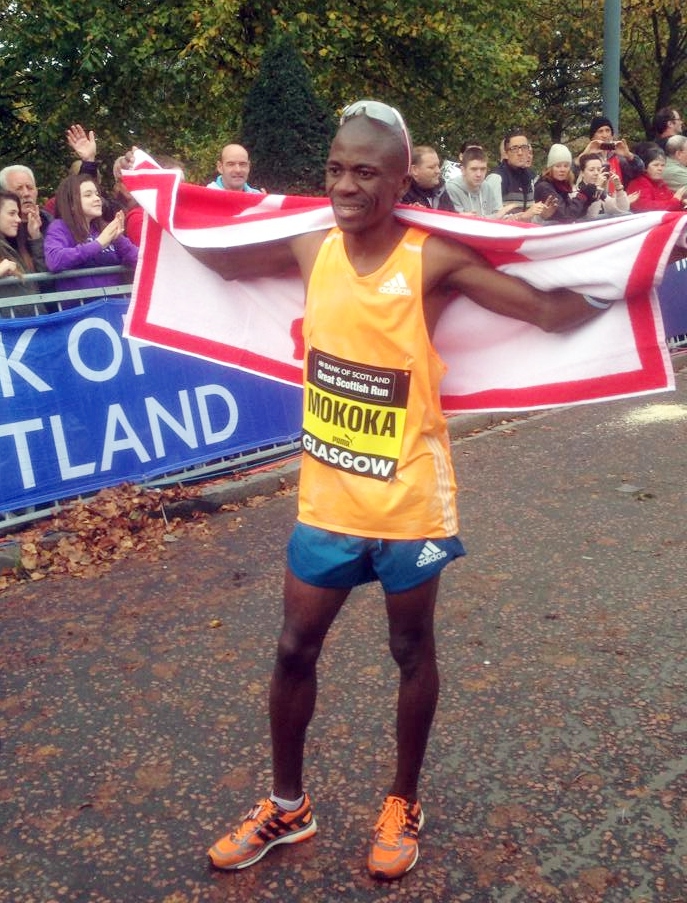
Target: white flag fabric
494,363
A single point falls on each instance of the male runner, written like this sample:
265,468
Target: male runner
377,489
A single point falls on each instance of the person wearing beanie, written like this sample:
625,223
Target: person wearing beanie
613,150
558,153
557,181
599,122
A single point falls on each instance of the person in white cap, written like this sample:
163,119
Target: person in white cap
557,183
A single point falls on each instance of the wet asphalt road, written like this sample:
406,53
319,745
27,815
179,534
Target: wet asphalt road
134,726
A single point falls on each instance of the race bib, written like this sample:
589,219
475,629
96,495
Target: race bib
355,415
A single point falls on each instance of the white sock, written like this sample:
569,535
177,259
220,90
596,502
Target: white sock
288,805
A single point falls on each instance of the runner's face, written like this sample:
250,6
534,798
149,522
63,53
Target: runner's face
363,176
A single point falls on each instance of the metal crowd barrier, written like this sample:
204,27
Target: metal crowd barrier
54,298
242,462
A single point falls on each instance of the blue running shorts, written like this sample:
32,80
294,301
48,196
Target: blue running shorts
338,560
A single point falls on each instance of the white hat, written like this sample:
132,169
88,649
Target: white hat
559,153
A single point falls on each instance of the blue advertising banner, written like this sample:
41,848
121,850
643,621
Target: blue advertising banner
82,408
672,295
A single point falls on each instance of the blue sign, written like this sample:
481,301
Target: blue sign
672,294
82,408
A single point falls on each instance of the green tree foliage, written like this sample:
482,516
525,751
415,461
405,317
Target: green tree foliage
654,58
115,67
569,47
567,87
283,112
173,77
454,68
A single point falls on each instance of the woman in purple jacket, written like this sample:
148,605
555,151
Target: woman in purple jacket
79,238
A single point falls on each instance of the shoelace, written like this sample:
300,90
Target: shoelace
391,821
261,812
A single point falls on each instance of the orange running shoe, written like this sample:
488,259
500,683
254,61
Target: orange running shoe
265,826
394,849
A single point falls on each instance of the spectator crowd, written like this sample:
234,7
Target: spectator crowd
82,227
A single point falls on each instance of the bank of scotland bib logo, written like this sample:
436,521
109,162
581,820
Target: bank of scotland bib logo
397,285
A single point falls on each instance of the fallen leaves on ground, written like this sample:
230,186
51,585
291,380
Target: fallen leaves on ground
89,535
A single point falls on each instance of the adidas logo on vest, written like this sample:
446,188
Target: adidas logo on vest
430,554
397,285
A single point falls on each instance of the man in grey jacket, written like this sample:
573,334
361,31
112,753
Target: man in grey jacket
470,192
675,171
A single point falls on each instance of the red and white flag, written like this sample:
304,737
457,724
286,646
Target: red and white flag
494,363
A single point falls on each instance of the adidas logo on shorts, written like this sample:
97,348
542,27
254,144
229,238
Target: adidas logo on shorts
430,554
397,285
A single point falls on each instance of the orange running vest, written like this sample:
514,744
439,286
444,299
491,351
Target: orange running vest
376,460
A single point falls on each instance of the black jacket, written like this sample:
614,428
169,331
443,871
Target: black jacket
517,185
434,198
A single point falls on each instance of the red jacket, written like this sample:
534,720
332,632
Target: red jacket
652,195
134,224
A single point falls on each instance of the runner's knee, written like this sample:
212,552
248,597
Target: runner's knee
410,650
297,654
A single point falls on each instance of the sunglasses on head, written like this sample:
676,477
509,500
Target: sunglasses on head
375,109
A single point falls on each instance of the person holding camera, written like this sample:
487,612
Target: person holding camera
613,150
597,177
